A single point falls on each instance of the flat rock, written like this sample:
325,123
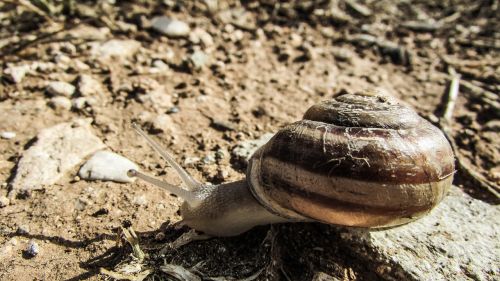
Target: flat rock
56,151
115,49
456,241
245,149
107,166
170,27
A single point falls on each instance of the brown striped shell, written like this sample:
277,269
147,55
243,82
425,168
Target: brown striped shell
358,160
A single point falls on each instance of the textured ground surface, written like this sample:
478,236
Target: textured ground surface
243,70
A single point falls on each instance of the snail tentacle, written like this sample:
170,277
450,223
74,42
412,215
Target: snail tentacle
188,180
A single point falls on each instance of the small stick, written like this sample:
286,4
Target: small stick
452,97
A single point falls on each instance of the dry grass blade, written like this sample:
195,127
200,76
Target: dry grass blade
179,272
133,240
452,98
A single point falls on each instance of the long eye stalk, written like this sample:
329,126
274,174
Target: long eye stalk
190,182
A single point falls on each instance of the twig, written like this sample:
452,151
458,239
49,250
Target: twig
452,98
22,45
445,125
360,8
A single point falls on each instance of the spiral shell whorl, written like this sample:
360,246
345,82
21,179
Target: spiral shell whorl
359,159
363,110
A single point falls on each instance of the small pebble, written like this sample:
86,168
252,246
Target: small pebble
191,160
222,125
88,85
219,154
81,204
79,103
209,159
107,166
172,110
160,236
4,201
60,103
493,125
33,249
16,73
222,175
23,229
7,135
170,27
59,88
200,36
198,59
140,200
245,149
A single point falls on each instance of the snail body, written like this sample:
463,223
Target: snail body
360,160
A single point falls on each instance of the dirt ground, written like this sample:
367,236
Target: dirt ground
266,64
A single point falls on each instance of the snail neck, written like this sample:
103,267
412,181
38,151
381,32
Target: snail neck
227,210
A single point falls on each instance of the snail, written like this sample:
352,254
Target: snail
362,160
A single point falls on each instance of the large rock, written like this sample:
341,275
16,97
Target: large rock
56,151
459,240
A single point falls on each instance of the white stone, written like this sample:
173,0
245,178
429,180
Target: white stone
456,241
79,103
33,249
60,103
7,135
198,59
56,151
107,166
140,200
158,99
16,73
115,48
89,32
62,60
164,124
170,27
80,65
4,201
59,88
88,85
7,248
200,36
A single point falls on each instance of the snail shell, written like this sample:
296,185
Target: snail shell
358,160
